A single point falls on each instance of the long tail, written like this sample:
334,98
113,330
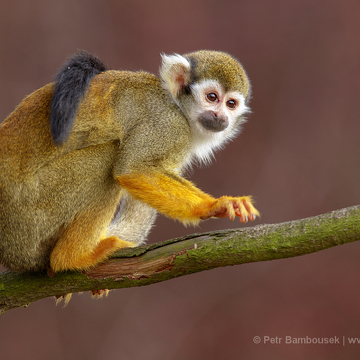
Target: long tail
72,81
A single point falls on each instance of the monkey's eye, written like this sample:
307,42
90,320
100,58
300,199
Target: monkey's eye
231,104
212,97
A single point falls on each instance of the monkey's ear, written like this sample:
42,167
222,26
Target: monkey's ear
175,73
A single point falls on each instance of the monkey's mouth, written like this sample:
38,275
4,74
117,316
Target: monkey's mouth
212,122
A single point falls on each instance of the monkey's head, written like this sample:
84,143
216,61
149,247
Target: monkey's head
212,90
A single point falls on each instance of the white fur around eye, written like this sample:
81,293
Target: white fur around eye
241,107
206,142
200,90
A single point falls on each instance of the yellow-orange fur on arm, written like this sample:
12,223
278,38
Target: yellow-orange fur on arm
179,199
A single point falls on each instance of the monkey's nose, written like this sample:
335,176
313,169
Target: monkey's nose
211,121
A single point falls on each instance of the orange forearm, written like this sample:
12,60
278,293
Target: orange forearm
179,199
170,195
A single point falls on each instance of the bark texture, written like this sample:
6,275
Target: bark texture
162,261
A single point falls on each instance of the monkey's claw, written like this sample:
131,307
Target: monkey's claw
98,294
245,210
65,297
235,206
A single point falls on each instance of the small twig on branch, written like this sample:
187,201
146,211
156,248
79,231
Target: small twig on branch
150,264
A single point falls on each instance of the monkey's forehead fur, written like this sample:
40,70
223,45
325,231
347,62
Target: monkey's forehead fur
208,64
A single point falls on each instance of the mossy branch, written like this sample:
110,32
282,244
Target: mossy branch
166,260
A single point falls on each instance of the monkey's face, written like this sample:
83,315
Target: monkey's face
214,109
211,89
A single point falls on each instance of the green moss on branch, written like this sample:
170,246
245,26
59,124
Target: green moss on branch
162,261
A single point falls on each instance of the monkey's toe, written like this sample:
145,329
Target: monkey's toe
98,294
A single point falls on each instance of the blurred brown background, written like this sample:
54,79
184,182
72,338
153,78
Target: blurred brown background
298,155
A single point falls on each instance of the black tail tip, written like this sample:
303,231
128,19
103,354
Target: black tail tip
71,83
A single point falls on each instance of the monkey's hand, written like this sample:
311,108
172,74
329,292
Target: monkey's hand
230,207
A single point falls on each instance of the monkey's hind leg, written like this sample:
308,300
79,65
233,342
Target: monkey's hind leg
84,245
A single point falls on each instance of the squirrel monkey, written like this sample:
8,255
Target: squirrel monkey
86,162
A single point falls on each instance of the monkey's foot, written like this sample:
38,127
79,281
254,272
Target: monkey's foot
66,298
230,207
98,294
67,255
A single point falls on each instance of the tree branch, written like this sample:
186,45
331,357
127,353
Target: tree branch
166,260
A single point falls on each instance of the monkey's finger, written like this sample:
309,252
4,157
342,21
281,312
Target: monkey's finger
253,213
244,218
241,211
